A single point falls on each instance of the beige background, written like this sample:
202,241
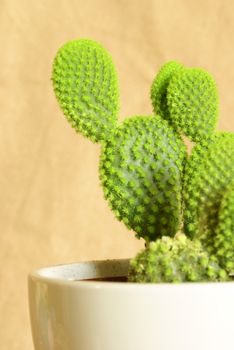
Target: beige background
52,208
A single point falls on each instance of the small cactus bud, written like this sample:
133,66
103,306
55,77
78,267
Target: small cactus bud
174,260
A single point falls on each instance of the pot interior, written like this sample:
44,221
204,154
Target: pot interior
106,270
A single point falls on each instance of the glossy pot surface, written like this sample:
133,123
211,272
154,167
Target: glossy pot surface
69,313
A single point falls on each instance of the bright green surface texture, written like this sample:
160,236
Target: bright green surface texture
224,235
149,181
208,174
159,88
141,172
174,260
86,87
193,103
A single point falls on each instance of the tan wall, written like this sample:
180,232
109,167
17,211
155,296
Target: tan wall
52,207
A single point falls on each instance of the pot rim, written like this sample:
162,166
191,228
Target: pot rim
102,269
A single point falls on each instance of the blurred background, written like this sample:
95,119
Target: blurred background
52,208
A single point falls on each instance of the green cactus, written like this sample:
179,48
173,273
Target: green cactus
174,260
224,233
208,174
86,86
150,182
187,98
142,159
159,88
193,103
141,172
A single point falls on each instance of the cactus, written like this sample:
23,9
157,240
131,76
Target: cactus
86,86
174,260
142,159
193,103
152,185
224,234
159,88
140,170
187,98
208,174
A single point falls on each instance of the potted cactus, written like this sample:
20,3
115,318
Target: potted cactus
181,204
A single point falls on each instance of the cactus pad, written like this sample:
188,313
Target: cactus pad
193,103
208,174
224,237
174,260
159,88
86,87
141,172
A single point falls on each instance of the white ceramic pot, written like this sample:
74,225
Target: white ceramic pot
68,313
